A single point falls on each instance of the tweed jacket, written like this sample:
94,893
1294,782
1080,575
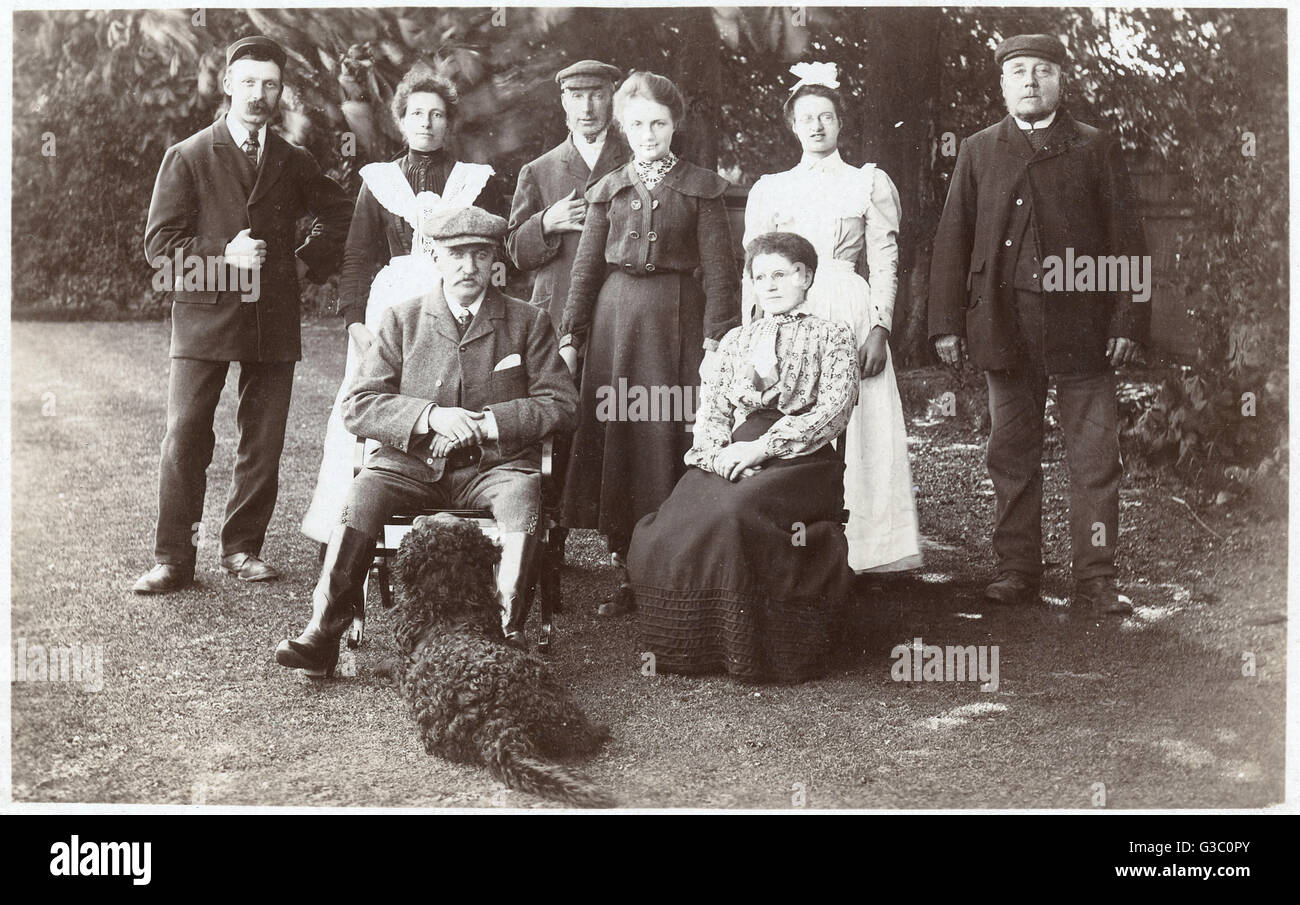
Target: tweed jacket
205,194
507,363
541,183
1082,204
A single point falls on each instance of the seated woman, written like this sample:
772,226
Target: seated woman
743,566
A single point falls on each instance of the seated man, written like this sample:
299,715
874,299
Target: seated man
460,387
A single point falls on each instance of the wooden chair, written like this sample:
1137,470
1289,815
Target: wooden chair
543,571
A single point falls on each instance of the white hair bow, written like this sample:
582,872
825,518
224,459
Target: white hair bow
815,74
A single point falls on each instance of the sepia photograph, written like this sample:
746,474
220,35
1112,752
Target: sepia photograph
649,408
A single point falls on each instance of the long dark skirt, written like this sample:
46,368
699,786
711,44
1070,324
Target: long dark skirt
745,577
646,343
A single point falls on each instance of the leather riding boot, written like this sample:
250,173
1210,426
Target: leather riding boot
517,553
342,581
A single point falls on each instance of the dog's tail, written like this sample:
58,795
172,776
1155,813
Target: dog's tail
520,769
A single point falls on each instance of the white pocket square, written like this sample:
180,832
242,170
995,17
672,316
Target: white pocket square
510,361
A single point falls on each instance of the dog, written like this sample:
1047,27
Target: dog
475,698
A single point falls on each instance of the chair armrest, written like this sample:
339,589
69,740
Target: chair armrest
548,455
359,456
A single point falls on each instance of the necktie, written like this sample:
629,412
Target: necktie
462,321
250,149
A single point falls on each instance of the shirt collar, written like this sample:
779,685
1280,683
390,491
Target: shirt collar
240,134
456,308
820,164
1041,124
589,151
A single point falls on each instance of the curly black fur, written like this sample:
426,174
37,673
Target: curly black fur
476,699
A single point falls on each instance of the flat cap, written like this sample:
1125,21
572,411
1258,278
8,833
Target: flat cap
465,226
1044,46
587,74
245,46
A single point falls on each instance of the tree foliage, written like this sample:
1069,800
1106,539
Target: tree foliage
1182,88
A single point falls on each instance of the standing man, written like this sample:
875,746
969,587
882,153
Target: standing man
1027,194
549,207
227,200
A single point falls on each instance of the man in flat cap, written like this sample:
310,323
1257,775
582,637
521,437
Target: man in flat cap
548,209
1033,191
226,205
460,387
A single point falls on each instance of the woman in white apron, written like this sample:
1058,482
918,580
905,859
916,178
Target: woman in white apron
395,198
849,214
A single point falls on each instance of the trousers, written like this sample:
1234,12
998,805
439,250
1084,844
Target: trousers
193,391
1017,400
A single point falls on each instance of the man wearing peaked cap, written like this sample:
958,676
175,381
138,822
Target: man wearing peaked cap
549,208
234,193
1042,46
465,226
460,387
1035,190
257,47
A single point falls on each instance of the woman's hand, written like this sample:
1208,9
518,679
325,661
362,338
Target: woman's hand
707,364
874,352
740,460
362,336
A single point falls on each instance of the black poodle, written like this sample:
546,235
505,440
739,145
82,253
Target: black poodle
476,699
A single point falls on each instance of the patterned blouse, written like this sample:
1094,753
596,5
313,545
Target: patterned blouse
653,173
816,390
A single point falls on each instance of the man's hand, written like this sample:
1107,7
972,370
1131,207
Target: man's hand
1121,351
461,425
565,215
874,352
443,446
362,336
740,460
951,349
245,251
570,356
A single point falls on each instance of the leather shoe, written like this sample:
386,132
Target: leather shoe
1099,596
164,578
247,567
1012,589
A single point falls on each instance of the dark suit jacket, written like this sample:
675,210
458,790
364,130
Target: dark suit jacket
541,183
1082,200
419,358
206,192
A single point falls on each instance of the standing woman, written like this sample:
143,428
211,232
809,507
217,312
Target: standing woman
380,265
847,214
647,325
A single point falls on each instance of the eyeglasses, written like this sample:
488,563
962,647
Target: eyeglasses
826,119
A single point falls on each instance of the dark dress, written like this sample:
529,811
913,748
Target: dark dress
746,576
644,316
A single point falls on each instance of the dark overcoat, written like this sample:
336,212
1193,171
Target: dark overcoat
541,183
205,194
1083,204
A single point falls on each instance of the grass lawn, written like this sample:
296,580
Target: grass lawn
193,709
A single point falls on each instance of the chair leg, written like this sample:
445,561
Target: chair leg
548,595
385,584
